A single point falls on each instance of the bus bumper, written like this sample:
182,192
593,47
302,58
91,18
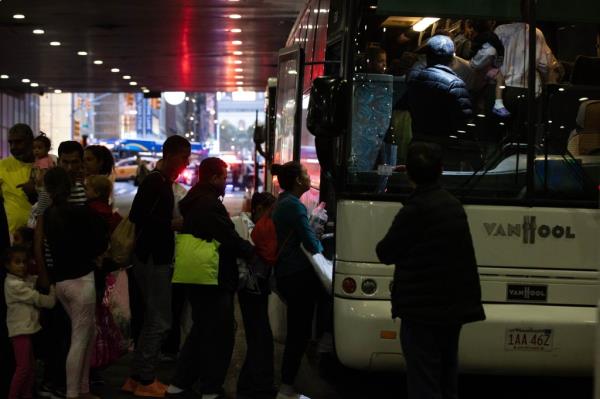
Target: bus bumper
515,339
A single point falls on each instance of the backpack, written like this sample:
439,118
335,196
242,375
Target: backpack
264,237
122,242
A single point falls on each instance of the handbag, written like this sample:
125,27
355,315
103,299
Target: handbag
122,241
196,260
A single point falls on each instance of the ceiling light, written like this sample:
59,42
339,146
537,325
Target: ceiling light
34,84
57,91
292,72
19,16
115,70
132,83
3,76
239,77
236,30
25,80
174,97
237,42
240,83
38,32
237,62
145,91
232,16
238,53
98,62
424,23
55,44
239,69
126,77
82,53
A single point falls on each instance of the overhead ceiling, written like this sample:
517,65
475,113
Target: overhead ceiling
163,45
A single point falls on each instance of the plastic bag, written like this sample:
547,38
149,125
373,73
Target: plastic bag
122,242
323,268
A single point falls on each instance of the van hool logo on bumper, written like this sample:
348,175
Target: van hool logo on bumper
528,230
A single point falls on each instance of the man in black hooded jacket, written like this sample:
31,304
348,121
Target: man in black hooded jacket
207,351
436,284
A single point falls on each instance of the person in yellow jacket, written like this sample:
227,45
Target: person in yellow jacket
18,190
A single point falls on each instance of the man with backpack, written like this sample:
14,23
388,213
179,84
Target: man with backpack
152,214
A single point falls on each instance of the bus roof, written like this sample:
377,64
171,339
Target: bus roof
547,10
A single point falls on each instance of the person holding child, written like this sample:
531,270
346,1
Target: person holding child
22,318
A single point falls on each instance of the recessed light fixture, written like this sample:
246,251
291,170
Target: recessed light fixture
236,30
98,62
34,84
132,83
25,80
235,16
238,62
145,91
58,91
55,44
237,42
126,77
19,16
82,53
239,77
239,69
238,52
240,83
38,32
3,76
115,70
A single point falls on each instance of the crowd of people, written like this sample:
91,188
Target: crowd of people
57,225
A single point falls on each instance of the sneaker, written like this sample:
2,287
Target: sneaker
45,391
130,385
58,393
501,112
154,390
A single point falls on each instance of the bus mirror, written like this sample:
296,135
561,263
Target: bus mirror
326,107
259,134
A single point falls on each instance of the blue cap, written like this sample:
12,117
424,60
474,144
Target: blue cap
439,45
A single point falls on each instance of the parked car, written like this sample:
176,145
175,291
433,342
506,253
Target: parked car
126,168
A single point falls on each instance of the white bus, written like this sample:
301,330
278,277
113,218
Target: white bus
529,183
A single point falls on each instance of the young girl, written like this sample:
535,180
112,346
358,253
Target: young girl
43,161
22,318
98,190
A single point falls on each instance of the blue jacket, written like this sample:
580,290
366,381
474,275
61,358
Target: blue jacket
439,102
291,223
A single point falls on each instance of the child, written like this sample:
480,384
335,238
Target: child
487,55
43,161
98,191
22,318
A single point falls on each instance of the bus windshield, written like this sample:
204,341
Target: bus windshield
485,142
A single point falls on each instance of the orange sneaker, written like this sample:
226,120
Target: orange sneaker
130,385
155,390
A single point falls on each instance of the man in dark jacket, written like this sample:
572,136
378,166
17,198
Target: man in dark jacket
152,213
207,351
440,104
436,285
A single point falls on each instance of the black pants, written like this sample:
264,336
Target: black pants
431,353
256,375
206,354
300,292
173,341
53,343
136,306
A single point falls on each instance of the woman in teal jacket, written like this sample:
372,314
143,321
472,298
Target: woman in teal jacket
296,279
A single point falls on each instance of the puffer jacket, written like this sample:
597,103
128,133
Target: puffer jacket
436,279
438,101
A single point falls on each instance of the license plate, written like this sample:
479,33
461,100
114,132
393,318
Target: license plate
528,339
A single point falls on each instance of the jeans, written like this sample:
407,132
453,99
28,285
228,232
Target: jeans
206,354
154,283
431,354
300,292
78,296
24,378
256,375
